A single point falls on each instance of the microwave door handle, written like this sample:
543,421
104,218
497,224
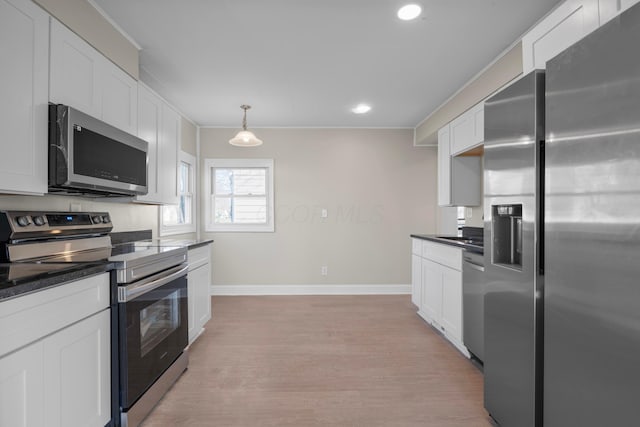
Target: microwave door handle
133,291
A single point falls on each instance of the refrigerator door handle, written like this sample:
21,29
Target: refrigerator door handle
540,222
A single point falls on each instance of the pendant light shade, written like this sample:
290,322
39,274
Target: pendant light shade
245,138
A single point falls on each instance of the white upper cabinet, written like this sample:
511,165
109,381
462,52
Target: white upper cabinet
612,8
626,4
467,131
119,98
170,128
83,78
159,125
74,71
458,177
24,29
149,112
567,24
444,167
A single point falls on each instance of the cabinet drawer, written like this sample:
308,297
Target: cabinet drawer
416,246
36,315
198,256
443,254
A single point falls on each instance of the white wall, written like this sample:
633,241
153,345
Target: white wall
378,189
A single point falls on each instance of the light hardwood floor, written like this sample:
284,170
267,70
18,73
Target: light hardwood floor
322,361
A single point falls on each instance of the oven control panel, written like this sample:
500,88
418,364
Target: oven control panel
31,224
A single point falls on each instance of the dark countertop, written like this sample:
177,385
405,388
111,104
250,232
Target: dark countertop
26,277
145,236
23,278
188,243
462,244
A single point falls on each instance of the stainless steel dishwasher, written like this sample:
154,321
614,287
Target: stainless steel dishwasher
473,289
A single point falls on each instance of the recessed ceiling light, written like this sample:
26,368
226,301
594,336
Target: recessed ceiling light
361,109
409,12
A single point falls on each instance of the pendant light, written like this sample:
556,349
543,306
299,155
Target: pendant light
245,138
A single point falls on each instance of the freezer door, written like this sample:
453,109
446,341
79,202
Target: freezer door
513,133
592,263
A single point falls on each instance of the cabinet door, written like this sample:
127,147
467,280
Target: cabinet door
24,35
199,299
444,167
465,181
462,132
21,388
478,123
467,131
608,10
567,24
432,291
77,371
452,302
626,4
119,97
75,71
191,306
611,8
202,277
149,113
416,280
168,155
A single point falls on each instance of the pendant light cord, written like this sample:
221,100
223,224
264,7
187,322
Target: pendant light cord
244,118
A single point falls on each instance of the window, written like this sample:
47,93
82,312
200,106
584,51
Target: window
239,195
180,218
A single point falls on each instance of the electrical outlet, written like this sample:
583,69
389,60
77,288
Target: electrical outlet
324,213
324,270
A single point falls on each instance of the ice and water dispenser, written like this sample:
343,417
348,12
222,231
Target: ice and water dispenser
507,235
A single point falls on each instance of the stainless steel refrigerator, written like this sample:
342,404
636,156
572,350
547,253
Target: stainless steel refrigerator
592,230
514,133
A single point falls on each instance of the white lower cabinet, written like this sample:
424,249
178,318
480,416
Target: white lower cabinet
198,294
416,280
55,362
440,276
432,293
451,319
21,388
77,374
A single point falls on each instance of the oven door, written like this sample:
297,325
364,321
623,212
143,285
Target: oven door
153,330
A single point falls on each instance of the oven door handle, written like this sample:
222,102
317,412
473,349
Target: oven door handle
133,291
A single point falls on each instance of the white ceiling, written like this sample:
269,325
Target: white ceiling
304,63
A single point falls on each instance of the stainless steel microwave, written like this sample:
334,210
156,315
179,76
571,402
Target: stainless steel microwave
90,157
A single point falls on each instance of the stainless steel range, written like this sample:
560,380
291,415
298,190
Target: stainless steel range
149,307
153,324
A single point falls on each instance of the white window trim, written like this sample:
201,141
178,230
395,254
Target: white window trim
209,164
167,230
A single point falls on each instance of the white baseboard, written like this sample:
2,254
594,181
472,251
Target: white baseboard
310,289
